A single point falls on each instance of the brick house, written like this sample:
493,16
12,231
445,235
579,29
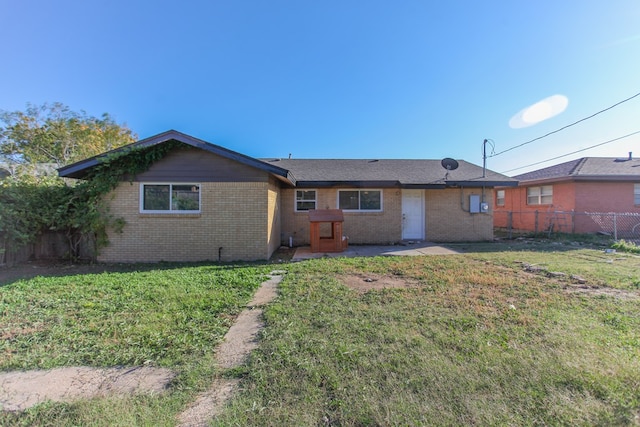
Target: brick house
572,194
205,202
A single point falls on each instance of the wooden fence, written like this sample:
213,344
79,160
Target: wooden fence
50,245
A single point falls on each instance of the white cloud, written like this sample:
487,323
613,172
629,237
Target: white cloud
539,112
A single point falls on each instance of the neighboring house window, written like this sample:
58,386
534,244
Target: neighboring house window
163,198
305,200
360,200
500,198
636,194
540,195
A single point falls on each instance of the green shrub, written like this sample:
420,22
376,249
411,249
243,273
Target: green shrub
32,204
625,246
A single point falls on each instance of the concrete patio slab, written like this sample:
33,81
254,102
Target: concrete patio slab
403,249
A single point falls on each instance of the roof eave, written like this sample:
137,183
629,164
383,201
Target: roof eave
563,179
397,184
607,178
480,184
347,183
80,169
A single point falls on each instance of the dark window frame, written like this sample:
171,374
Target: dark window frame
180,198
362,199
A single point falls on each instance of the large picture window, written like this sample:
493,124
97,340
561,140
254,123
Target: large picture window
305,200
540,195
360,200
170,198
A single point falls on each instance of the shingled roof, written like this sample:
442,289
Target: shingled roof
587,168
324,172
418,173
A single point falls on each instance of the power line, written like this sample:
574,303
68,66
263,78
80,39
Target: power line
574,152
567,126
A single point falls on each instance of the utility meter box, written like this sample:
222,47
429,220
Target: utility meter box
474,203
484,207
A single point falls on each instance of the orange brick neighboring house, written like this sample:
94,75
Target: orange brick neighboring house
203,202
579,189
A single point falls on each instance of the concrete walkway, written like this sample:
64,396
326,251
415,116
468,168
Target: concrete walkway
20,390
404,249
239,342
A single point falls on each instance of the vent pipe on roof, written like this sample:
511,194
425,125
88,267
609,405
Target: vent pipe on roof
630,155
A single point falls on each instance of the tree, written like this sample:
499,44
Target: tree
31,205
40,139
52,133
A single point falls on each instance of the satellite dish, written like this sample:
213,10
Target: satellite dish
449,164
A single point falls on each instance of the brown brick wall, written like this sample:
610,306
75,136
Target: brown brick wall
233,217
446,221
379,227
524,216
605,197
361,228
448,218
567,196
274,223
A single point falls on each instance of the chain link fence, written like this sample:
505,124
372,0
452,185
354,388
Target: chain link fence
619,225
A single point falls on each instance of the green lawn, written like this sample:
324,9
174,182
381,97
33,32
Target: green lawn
165,315
477,342
472,340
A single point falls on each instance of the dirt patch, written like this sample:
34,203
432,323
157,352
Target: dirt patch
282,254
598,291
364,283
21,390
578,285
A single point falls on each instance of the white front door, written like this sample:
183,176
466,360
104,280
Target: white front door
413,214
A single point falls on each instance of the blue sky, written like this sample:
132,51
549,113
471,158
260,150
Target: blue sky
336,79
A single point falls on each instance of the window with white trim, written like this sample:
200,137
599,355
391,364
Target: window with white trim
360,200
305,200
169,198
499,197
540,195
636,194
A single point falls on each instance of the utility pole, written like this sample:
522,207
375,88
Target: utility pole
484,157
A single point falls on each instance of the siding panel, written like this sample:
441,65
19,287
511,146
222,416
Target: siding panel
195,165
